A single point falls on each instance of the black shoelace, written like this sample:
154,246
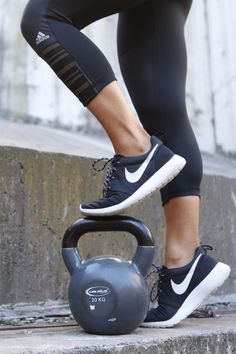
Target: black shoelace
110,173
161,272
156,286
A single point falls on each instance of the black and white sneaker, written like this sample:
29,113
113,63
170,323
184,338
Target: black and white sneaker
129,179
181,290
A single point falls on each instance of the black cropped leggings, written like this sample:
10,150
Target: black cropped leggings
152,56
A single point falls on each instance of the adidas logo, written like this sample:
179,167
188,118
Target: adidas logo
41,37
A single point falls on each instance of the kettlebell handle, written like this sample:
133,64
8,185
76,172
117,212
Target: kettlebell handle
112,223
145,251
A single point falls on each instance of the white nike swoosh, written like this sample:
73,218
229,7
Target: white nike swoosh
133,177
182,287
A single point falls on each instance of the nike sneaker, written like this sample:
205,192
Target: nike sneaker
181,290
129,179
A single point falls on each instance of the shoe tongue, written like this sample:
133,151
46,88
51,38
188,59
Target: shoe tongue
118,156
198,251
164,270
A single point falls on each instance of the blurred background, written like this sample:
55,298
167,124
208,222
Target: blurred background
30,92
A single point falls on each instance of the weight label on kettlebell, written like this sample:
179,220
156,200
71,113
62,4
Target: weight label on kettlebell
98,292
98,299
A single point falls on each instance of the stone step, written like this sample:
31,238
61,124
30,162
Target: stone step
49,328
196,336
46,173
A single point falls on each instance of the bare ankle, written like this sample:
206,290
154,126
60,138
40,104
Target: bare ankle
176,263
134,144
179,258
142,143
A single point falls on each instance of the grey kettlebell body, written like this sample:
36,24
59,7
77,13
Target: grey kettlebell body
107,294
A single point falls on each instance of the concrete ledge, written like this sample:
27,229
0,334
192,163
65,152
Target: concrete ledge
195,336
40,193
44,139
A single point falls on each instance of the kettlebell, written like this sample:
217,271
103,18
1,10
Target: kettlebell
107,294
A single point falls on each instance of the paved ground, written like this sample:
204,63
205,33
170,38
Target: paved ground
208,335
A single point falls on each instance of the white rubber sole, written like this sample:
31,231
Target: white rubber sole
212,281
161,178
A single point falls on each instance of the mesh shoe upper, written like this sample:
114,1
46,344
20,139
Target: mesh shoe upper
174,285
117,186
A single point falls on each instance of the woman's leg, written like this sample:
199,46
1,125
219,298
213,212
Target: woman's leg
182,230
152,55
52,28
125,131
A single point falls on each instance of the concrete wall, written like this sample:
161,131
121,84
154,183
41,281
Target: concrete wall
40,195
211,89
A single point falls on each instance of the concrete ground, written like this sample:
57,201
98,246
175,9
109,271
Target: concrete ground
205,335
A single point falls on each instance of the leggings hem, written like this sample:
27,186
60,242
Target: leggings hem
98,88
181,194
